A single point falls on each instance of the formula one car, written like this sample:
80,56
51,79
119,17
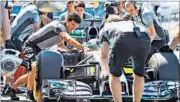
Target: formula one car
161,87
161,80
72,77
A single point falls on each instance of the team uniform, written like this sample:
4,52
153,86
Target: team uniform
23,25
44,38
124,43
148,18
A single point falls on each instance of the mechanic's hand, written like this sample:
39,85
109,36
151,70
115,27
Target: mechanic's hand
86,49
10,45
165,48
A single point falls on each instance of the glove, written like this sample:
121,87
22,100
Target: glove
10,45
165,48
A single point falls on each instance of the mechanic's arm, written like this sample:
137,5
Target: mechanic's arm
6,25
104,52
175,41
37,27
37,21
152,32
148,20
71,41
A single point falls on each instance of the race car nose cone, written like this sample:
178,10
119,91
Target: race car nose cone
50,5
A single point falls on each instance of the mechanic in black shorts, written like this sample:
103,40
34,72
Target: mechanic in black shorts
125,39
51,34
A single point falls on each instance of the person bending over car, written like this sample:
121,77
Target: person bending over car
148,18
121,40
51,34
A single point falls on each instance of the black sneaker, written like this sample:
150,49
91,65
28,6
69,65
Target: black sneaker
4,89
19,91
30,96
10,92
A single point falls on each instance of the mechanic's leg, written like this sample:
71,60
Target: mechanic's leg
139,58
116,61
11,81
138,88
104,59
138,82
30,56
6,79
8,90
115,86
119,54
31,77
30,82
20,81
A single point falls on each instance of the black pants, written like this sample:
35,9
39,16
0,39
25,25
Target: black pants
126,46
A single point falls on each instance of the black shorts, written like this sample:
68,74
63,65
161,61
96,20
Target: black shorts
125,46
30,51
17,43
